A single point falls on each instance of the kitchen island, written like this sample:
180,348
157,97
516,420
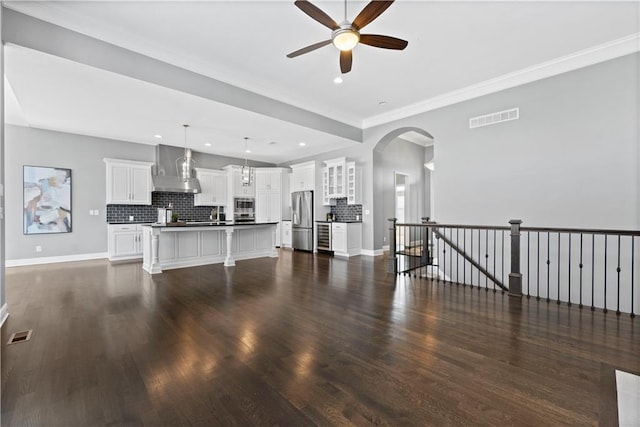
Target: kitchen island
199,243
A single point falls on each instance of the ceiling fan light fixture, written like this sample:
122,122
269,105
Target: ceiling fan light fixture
345,38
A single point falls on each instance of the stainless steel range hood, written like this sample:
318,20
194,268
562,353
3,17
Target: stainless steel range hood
166,176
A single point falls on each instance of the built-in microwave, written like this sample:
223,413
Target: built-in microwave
244,209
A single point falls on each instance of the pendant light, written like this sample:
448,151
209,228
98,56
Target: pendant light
247,171
185,164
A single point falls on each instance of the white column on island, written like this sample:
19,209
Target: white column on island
274,252
155,250
229,261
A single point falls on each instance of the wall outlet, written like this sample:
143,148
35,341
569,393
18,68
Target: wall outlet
130,217
96,212
384,239
90,212
38,248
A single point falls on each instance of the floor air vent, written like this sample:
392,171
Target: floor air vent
22,336
494,118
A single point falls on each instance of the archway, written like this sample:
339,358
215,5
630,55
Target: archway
402,151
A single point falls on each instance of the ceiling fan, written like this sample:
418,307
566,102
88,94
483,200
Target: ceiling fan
346,35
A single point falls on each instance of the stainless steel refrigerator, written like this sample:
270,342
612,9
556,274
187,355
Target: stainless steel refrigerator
302,220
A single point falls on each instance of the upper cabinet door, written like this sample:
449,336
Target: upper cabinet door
128,182
220,188
118,184
140,185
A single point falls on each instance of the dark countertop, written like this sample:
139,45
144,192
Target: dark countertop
130,222
208,224
341,222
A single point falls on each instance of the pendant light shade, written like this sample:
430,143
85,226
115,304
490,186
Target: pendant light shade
247,171
185,164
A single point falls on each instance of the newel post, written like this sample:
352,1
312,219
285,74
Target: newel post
515,278
393,262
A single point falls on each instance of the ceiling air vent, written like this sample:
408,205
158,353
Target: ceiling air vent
493,118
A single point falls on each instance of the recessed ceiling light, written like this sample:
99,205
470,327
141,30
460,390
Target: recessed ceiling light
302,144
207,144
157,136
338,80
381,103
247,151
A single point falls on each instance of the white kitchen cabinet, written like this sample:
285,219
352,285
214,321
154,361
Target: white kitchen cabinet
326,197
271,200
128,182
286,234
234,184
346,239
336,174
124,242
269,179
354,184
303,176
214,188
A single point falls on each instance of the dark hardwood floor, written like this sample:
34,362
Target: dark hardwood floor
299,340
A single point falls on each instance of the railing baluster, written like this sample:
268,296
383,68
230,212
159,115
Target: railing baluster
581,265
444,256
464,267
450,255
479,260
618,270
438,254
548,264
605,274
538,268
486,258
471,266
593,271
502,278
569,271
528,262
633,239
457,256
494,258
558,294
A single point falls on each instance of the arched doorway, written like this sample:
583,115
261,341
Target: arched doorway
403,153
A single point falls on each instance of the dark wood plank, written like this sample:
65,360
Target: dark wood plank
299,340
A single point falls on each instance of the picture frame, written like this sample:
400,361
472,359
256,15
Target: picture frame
46,200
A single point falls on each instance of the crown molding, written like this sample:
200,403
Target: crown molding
583,58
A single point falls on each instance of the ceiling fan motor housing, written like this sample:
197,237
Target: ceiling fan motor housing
346,37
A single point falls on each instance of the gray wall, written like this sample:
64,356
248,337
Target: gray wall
407,158
83,155
2,161
571,160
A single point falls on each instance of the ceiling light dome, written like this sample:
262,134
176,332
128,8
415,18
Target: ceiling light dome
345,38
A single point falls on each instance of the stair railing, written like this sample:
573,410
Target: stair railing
590,267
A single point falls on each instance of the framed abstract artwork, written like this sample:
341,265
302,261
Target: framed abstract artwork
46,200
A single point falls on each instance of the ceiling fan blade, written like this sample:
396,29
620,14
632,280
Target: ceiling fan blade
385,42
370,12
345,61
317,14
308,48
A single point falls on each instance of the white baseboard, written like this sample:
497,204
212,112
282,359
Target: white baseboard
4,313
375,252
53,259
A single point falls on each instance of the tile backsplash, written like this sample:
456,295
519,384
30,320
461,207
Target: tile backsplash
344,212
182,204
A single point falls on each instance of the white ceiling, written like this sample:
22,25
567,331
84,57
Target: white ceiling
452,45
